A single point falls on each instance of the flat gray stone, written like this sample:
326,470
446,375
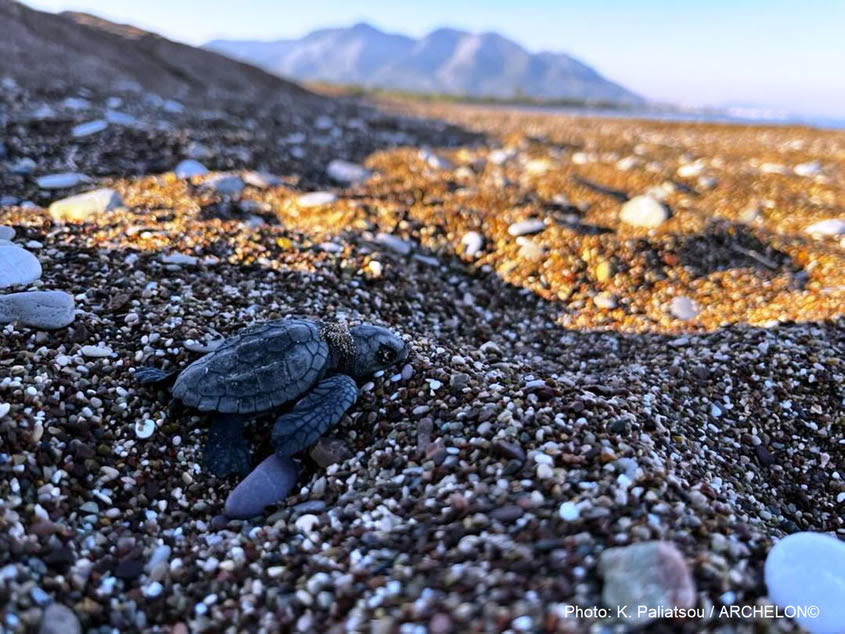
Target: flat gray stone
62,180
808,569
89,127
227,185
23,167
346,172
190,167
394,243
644,211
79,208
269,483
178,258
59,619
651,574
121,118
17,266
7,233
40,309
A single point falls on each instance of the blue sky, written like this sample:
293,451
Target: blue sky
788,55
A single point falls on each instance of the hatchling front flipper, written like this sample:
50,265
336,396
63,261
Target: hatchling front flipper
314,414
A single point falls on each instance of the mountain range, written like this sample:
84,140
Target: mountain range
446,61
47,51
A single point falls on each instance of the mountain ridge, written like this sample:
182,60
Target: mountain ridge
445,61
48,51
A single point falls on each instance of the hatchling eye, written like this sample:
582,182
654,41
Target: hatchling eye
385,354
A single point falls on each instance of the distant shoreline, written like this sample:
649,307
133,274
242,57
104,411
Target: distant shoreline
583,107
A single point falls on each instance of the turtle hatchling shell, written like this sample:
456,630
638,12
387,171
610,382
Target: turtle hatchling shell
261,368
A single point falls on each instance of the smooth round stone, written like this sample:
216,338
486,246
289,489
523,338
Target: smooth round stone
830,227
190,167
651,574
59,619
269,483
145,428
683,308
96,351
6,233
808,569
526,227
472,243
89,127
690,170
40,309
227,185
172,106
316,199
393,243
17,266
808,169
644,211
62,180
346,172
79,208
569,511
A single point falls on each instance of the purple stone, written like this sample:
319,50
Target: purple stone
269,483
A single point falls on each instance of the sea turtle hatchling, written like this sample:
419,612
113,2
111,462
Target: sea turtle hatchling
273,363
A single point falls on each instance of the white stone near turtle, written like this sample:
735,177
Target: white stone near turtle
17,266
48,310
807,570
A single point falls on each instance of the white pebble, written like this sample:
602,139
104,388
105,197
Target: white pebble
569,512
306,523
145,428
96,351
152,590
808,569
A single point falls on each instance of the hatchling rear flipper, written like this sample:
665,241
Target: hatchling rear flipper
314,414
226,450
